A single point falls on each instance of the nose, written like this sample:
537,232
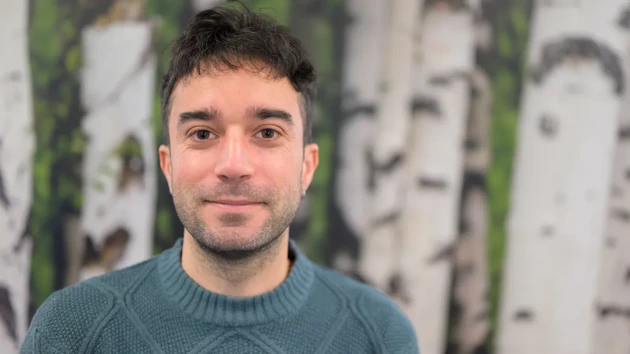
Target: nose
234,162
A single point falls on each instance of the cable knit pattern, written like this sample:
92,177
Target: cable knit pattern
155,307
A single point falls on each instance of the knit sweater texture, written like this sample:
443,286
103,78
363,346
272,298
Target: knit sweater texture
155,307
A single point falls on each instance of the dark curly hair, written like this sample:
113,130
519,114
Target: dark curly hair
228,38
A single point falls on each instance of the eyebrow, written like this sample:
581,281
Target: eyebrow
270,113
197,115
262,113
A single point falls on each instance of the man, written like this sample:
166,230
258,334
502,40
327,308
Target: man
238,156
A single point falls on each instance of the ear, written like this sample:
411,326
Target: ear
165,164
309,165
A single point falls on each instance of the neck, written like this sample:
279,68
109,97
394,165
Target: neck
258,274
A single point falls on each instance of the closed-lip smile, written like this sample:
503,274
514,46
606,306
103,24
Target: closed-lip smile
235,202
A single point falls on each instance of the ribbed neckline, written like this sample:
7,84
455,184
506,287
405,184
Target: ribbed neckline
218,309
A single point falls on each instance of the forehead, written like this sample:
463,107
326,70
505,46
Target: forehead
231,90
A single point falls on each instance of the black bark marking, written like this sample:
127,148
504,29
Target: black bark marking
7,313
548,126
4,198
628,174
524,315
425,104
90,252
621,214
449,78
627,277
624,132
472,180
386,219
547,231
432,183
613,310
365,109
110,252
396,287
624,19
555,52
375,169
446,253
472,144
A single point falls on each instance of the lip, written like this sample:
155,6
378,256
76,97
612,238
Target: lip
234,205
235,202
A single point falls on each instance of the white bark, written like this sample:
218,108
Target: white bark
563,164
17,144
379,247
361,68
612,324
200,5
471,285
434,167
118,81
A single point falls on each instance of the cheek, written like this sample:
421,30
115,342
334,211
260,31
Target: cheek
285,170
190,167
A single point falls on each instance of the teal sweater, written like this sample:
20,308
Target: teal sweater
154,307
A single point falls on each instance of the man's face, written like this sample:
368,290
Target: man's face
236,165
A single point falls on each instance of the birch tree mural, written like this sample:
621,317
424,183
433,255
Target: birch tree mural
364,43
120,186
17,144
434,165
569,117
613,297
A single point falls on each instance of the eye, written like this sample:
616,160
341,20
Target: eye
202,134
268,133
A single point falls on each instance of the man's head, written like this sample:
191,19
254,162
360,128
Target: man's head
237,114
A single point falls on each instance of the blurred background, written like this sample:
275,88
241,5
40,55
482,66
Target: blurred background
474,159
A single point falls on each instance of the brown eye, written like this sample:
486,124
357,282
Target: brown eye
202,134
268,133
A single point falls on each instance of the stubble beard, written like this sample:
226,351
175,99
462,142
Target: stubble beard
283,209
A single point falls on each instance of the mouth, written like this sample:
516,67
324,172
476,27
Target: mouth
234,205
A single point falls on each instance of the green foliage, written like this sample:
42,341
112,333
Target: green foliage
55,56
278,9
512,39
170,16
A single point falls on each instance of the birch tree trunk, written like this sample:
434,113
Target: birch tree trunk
470,293
569,116
364,43
380,246
471,273
120,160
612,324
434,166
17,145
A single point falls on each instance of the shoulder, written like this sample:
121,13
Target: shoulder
70,316
385,321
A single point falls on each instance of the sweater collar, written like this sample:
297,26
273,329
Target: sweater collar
207,306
